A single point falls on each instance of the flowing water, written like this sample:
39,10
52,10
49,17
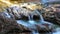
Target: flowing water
31,24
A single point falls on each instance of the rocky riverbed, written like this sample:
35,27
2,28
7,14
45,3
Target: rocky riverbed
26,24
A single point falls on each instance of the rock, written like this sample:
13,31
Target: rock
18,13
36,17
10,26
57,17
43,28
25,14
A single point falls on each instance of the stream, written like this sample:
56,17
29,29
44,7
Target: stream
31,24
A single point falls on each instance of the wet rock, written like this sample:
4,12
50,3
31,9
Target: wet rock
18,13
36,17
8,25
44,28
24,18
57,17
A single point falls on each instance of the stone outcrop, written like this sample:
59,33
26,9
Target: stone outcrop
10,26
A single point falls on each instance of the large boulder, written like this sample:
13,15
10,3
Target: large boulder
18,13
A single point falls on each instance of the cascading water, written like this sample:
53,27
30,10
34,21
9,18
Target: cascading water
39,15
30,23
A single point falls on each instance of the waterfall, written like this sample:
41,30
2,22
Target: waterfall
39,15
29,17
31,23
